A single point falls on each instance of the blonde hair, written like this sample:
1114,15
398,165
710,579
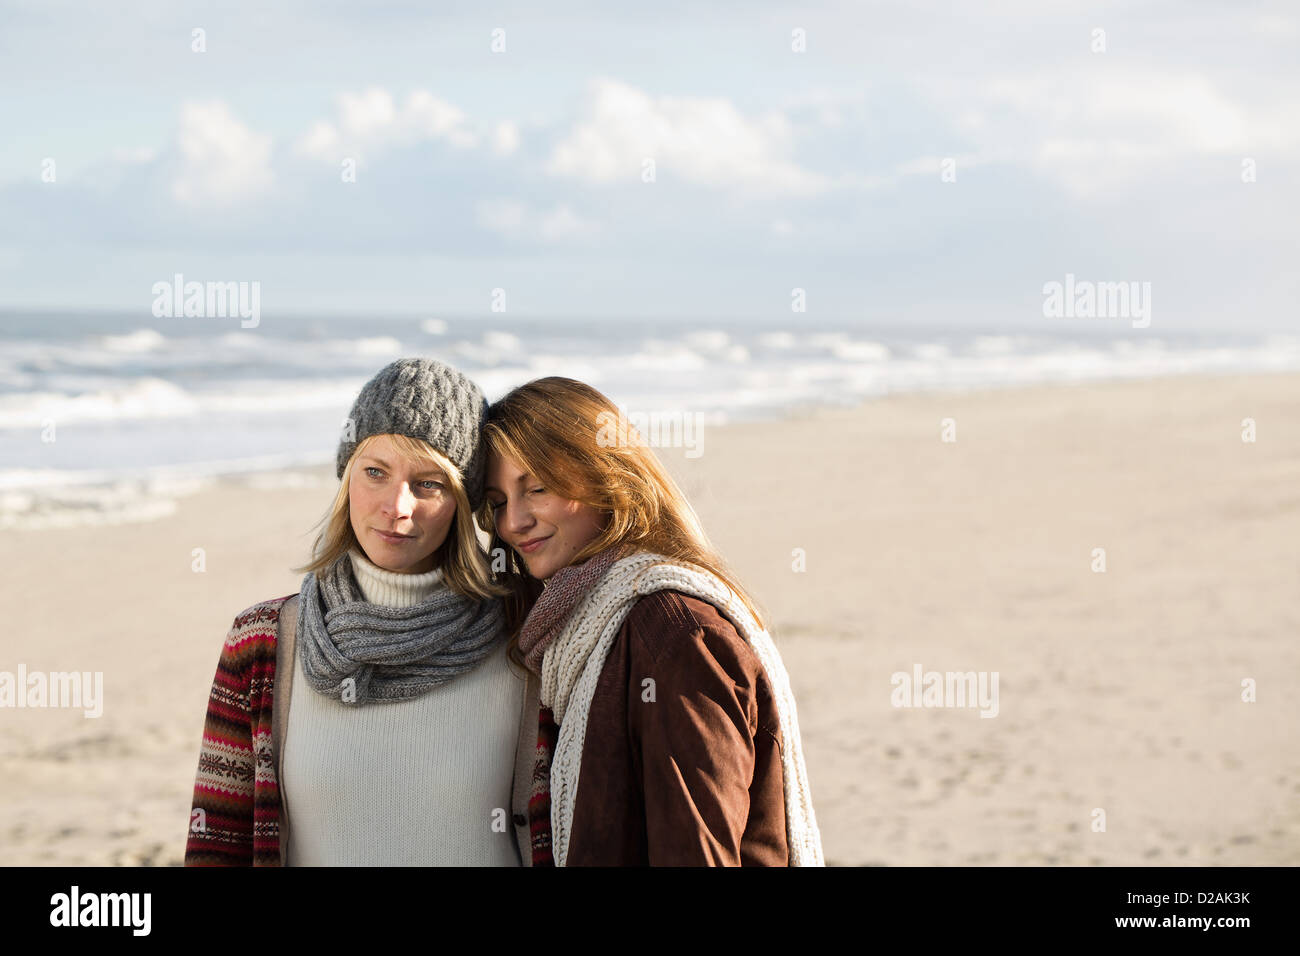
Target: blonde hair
556,429
460,557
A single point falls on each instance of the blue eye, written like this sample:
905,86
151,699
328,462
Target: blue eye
369,469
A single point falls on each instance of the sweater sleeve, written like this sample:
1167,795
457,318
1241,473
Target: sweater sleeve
696,743
221,816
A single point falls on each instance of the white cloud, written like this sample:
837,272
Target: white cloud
321,140
518,221
371,122
1102,128
366,114
428,117
1178,111
222,160
706,141
505,138
1123,128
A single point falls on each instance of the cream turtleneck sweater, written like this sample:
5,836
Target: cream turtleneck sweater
422,782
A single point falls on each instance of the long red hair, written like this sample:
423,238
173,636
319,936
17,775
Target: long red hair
557,429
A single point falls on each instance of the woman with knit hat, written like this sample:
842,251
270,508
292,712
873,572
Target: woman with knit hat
665,729
372,718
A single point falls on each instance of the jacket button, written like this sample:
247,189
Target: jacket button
520,820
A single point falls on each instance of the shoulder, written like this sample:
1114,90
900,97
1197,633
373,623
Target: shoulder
258,622
671,624
675,610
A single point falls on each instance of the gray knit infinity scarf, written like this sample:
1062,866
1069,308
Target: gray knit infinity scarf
388,653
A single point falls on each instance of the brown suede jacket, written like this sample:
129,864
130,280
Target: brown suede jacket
684,771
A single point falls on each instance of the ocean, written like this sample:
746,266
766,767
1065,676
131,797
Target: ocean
107,418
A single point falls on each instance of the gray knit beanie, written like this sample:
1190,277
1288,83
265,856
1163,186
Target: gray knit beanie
425,399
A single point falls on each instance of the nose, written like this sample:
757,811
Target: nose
401,505
514,518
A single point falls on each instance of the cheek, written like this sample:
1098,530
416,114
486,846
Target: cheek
555,514
576,520
569,517
441,511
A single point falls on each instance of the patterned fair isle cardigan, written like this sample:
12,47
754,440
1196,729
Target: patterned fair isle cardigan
236,788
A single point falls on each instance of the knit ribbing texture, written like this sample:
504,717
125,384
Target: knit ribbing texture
428,400
388,653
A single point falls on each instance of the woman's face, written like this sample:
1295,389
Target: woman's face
401,512
545,529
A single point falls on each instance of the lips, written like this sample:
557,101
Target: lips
528,547
392,535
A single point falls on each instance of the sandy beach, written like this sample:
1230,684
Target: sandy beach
1120,691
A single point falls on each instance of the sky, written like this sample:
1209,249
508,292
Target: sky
902,163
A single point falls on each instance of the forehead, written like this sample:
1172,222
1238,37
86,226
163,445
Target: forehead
398,463
505,470
386,453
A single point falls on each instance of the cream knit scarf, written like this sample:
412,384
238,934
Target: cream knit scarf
572,666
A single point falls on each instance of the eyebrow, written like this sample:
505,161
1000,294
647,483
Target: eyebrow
383,464
519,480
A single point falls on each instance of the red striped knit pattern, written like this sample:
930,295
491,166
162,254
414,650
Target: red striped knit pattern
235,787
539,803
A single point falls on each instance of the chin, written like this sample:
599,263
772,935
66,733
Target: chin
543,573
